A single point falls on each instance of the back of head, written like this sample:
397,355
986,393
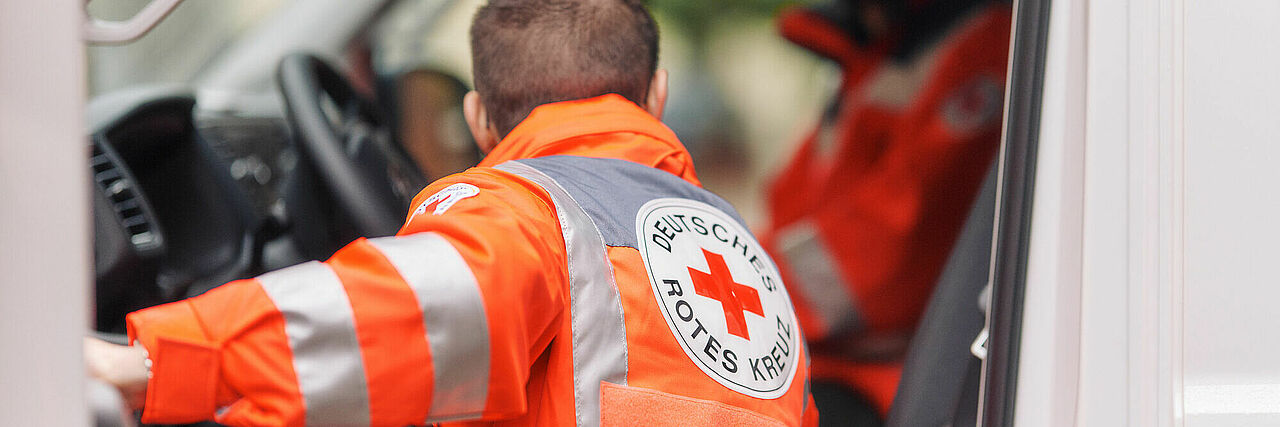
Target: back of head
526,53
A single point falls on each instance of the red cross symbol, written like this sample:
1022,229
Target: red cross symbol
736,299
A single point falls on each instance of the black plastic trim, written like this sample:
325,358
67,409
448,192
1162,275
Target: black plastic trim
1022,131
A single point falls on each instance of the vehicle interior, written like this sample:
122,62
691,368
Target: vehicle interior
283,145
188,198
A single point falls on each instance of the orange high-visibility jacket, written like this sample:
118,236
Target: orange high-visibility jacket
865,215
579,275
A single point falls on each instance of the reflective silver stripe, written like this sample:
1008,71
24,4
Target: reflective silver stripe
599,331
322,334
815,272
454,315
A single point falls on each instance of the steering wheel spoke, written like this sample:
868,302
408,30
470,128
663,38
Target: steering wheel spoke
351,160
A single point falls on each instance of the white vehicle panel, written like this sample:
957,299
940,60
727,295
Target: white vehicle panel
1232,128
1174,301
44,222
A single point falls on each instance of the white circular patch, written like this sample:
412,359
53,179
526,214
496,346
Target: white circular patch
721,295
976,104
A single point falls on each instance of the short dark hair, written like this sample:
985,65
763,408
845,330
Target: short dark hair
526,53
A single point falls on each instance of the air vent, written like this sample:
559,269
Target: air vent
121,191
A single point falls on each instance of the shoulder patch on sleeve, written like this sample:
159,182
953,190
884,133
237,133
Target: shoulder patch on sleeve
446,198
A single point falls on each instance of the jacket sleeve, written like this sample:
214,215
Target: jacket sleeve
440,322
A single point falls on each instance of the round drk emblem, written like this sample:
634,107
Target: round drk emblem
721,296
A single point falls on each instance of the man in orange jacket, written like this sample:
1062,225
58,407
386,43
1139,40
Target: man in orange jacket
579,275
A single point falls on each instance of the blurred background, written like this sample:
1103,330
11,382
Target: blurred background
740,93
243,136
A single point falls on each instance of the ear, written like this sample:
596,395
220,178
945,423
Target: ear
478,122
656,101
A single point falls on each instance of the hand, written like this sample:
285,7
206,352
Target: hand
124,367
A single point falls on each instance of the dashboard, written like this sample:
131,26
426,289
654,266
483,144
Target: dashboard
185,200
171,219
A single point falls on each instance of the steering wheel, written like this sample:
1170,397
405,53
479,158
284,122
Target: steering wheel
352,180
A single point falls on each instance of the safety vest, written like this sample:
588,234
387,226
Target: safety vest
864,215
578,277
